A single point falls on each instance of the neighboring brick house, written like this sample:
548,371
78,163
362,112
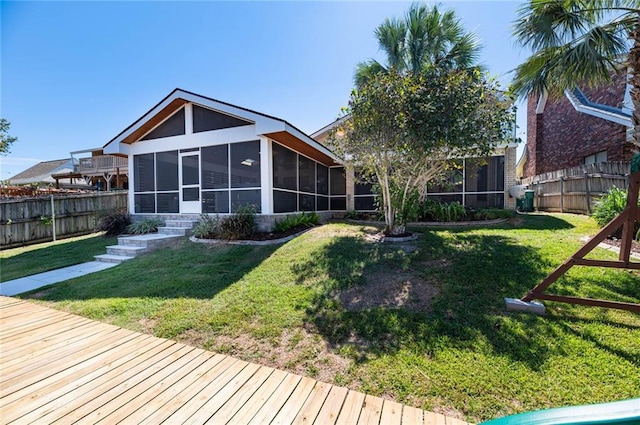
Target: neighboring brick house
584,126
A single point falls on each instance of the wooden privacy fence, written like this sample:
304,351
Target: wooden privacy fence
576,189
28,220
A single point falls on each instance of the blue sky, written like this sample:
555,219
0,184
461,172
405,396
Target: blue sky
75,74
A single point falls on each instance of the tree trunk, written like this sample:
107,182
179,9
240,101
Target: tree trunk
395,230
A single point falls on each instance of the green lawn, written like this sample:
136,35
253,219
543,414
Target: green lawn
32,259
423,324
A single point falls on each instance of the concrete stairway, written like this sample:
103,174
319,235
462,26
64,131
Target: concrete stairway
130,247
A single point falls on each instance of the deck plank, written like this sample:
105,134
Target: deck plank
47,344
454,421
270,408
164,399
21,335
391,413
142,393
212,377
242,373
42,369
104,403
56,367
312,406
431,418
297,399
47,350
411,415
50,389
371,411
352,409
235,403
332,406
258,398
86,393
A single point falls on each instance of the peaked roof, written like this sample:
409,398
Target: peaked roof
42,171
582,104
267,125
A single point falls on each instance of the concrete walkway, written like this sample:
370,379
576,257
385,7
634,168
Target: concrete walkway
28,283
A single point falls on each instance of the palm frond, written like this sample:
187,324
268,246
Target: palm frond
575,42
391,39
366,70
547,23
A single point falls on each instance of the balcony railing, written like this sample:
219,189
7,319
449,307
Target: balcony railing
102,164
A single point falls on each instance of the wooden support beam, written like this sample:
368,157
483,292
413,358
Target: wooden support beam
627,220
630,222
605,263
591,302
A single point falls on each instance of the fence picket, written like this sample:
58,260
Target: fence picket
21,219
576,189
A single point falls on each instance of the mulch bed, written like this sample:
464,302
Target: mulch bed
635,245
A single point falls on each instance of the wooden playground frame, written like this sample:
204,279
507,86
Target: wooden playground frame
626,220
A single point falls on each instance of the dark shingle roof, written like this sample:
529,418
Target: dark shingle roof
40,171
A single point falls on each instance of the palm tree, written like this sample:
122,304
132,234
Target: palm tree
579,42
426,39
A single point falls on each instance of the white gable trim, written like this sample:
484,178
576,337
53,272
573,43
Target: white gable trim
593,110
262,124
542,102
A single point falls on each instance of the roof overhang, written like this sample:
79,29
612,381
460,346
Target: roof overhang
542,102
583,105
327,128
265,125
298,141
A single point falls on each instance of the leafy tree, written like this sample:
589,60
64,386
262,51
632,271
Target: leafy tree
5,140
403,130
426,39
579,42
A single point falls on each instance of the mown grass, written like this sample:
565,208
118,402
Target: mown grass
32,259
464,355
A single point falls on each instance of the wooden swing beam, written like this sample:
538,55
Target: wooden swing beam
626,220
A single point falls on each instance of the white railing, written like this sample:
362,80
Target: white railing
102,164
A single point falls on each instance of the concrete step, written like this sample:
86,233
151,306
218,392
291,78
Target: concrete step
132,246
108,258
180,231
151,240
180,223
126,250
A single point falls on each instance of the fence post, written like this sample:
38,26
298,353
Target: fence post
561,194
53,218
586,191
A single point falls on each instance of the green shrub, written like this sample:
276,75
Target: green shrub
489,214
609,206
293,221
145,226
444,212
239,225
114,223
207,227
351,215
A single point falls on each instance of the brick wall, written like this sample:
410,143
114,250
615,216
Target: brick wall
561,137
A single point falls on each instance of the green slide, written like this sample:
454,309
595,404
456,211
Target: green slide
625,412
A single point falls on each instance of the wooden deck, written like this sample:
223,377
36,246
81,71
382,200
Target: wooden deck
56,367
